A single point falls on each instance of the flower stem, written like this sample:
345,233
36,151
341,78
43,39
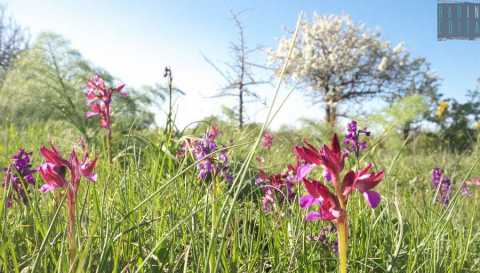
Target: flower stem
342,230
109,145
342,245
212,233
72,246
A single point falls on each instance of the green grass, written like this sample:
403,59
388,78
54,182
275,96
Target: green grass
149,213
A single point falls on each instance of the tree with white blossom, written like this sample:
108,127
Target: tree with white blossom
338,61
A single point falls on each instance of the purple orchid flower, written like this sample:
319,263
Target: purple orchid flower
442,185
18,175
352,140
211,159
277,187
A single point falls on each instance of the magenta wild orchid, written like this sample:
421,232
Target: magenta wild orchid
332,204
276,187
54,172
99,99
267,140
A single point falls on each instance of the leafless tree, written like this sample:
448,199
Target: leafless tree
239,73
13,40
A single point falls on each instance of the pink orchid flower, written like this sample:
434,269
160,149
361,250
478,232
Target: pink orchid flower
332,205
99,98
54,171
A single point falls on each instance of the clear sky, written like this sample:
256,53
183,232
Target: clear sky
135,40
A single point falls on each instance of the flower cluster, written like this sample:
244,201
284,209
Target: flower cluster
352,140
276,187
99,98
267,140
54,172
212,160
332,205
55,167
17,176
474,181
442,185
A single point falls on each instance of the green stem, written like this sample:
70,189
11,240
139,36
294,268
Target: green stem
342,245
109,146
212,234
342,229
72,248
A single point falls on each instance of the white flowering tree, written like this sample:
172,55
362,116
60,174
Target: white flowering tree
338,61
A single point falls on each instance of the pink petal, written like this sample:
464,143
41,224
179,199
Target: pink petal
307,154
368,181
313,216
373,198
328,213
348,180
47,188
104,123
334,212
303,171
87,167
307,201
267,202
52,156
90,114
317,189
92,177
335,145
119,88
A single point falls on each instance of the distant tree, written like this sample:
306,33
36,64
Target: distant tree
422,90
48,81
404,113
458,122
339,61
239,74
13,40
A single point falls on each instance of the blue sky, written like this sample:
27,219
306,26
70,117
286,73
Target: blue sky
134,40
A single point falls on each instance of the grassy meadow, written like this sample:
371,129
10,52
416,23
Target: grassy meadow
91,183
149,212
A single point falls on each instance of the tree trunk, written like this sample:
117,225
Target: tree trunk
240,106
407,128
331,113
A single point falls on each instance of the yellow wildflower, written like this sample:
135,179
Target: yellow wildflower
442,107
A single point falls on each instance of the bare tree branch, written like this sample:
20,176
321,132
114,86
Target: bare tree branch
238,73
